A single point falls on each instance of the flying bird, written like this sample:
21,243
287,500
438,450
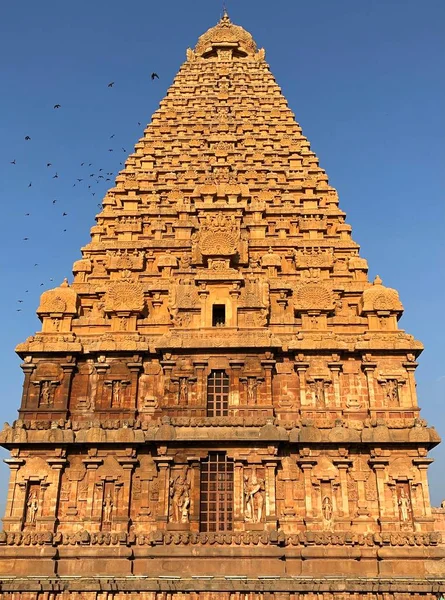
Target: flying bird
57,105
154,76
27,138
36,264
110,149
124,149
13,162
49,164
79,180
81,164
55,176
30,184
54,201
64,214
19,301
112,136
25,239
19,310
27,214
111,84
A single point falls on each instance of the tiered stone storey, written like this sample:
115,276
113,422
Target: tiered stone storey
220,403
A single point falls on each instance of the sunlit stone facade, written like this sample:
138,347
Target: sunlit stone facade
220,406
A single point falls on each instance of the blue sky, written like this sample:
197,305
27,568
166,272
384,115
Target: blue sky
364,78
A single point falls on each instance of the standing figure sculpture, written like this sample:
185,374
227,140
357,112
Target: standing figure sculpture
180,498
183,390
253,498
252,384
404,506
108,508
33,507
326,507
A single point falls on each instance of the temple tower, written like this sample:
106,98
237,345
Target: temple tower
220,403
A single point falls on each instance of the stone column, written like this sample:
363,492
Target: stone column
27,368
335,368
122,516
306,465
301,368
163,464
379,466
234,294
200,367
135,367
236,366
343,465
410,368
369,369
91,464
56,464
167,367
101,368
423,464
195,489
267,365
238,496
12,520
270,465
65,391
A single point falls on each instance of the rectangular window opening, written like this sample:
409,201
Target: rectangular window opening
216,507
219,315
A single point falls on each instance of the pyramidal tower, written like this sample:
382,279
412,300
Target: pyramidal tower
220,405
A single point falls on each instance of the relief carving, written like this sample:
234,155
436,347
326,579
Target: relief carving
180,497
254,496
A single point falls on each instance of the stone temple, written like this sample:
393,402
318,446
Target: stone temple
220,406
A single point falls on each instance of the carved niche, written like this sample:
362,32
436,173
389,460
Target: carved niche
117,387
45,390
108,498
326,485
254,491
184,304
179,494
253,304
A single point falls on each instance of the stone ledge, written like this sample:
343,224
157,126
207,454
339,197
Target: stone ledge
219,584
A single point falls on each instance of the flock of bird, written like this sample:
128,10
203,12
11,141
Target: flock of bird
98,177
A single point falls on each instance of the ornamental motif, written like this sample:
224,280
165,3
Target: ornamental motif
380,298
219,236
124,296
59,300
313,297
226,31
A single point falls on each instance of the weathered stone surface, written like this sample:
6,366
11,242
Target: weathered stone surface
221,315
